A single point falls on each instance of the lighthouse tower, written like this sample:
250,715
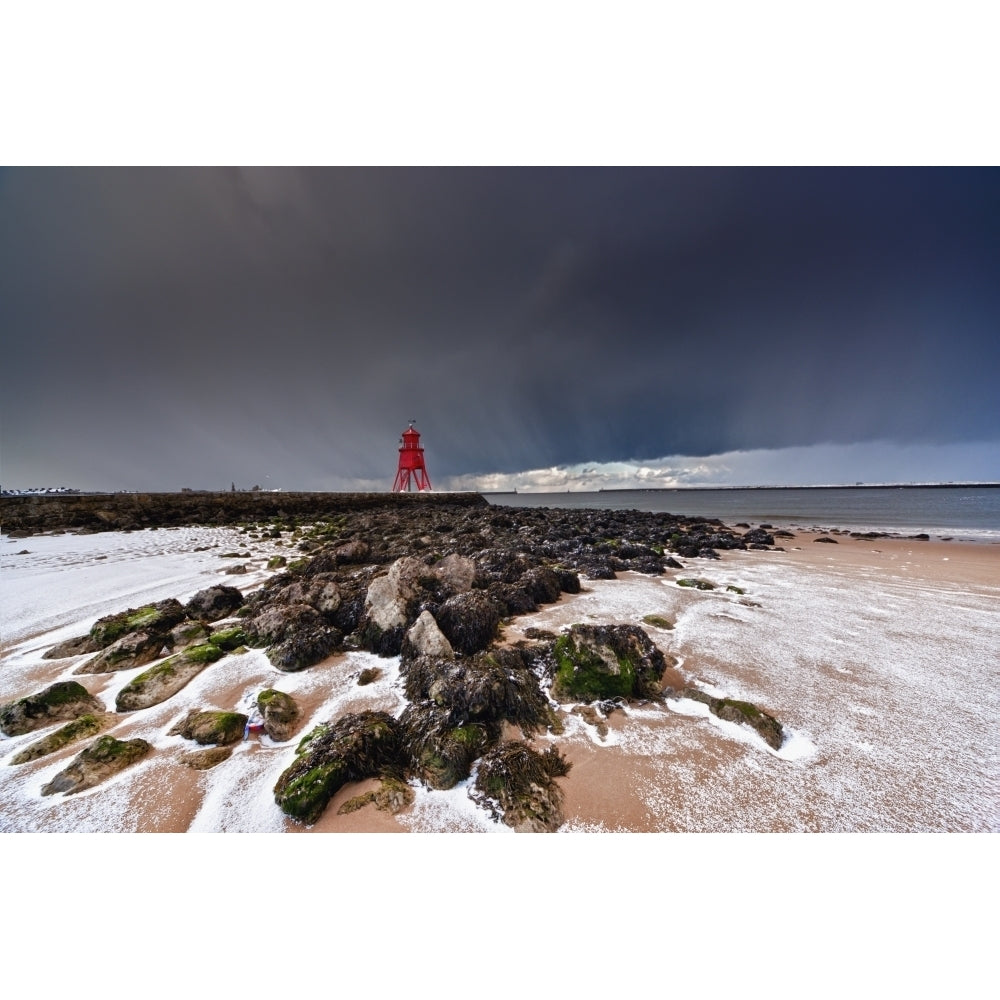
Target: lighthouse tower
411,464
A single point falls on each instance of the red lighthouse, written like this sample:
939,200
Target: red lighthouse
411,463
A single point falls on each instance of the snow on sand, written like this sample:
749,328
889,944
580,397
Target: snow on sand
879,664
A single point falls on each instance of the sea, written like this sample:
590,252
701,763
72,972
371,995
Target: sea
963,513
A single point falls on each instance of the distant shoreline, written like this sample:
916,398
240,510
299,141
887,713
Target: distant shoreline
841,486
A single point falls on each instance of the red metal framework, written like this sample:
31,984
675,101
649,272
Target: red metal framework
411,464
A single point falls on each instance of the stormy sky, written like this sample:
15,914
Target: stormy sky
546,328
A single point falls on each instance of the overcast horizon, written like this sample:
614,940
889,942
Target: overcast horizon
548,329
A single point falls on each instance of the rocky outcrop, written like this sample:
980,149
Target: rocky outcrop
211,727
127,639
517,785
129,511
97,763
362,745
600,662
57,703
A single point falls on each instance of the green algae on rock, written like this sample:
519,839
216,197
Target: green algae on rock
161,616
166,678
57,703
206,727
97,763
79,729
742,712
361,745
601,662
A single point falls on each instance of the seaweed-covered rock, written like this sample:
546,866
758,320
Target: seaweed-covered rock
213,603
57,703
154,618
469,621
79,729
598,662
298,634
517,785
490,687
742,712
440,752
204,727
361,745
542,584
107,756
167,678
280,714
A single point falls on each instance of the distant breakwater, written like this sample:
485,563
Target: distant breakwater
26,515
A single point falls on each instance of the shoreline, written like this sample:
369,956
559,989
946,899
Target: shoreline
661,767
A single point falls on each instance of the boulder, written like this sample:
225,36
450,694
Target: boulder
213,603
76,646
425,639
455,573
186,632
390,597
280,714
599,662
202,760
59,702
135,649
542,584
167,678
97,763
205,727
355,551
158,618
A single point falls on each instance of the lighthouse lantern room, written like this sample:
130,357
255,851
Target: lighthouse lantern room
411,464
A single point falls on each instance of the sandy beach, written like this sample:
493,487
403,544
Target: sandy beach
878,656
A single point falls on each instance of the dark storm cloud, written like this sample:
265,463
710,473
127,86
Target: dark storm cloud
192,327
